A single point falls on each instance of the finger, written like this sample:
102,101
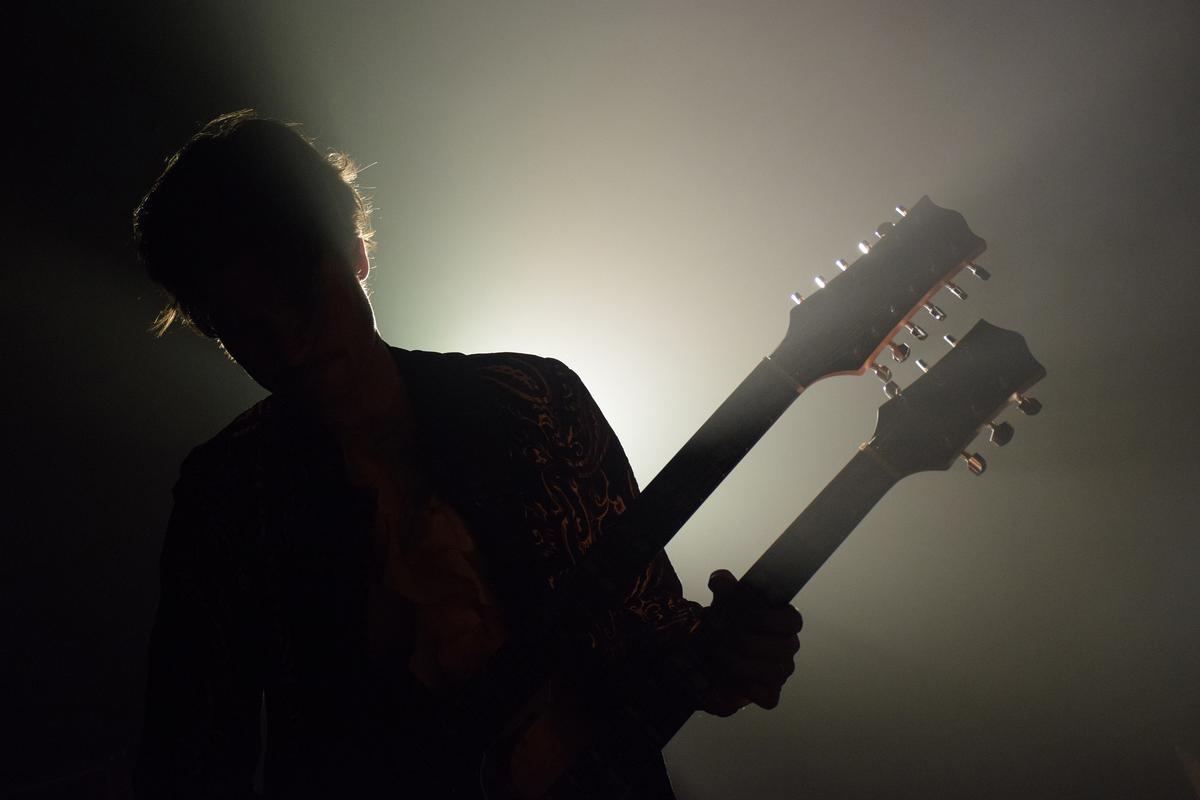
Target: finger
725,703
778,620
743,670
776,647
722,582
764,696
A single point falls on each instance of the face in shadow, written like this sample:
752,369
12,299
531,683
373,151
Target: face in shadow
304,336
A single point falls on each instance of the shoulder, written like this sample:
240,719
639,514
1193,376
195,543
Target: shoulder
539,405
228,458
521,374
510,384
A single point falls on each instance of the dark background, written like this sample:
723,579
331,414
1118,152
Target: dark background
635,188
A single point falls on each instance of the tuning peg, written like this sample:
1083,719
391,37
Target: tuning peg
900,351
975,462
796,297
840,263
864,247
916,330
891,389
1029,406
820,281
956,290
902,211
978,271
1001,434
935,312
921,365
884,229
883,373
950,340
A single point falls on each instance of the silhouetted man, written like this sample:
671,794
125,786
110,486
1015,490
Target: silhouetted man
354,549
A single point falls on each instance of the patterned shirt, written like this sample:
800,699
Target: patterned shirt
266,598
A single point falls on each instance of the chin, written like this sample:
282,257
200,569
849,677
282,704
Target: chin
275,384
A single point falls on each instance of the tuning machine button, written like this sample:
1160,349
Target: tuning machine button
840,263
884,229
882,372
916,330
891,389
975,462
950,340
900,351
1001,434
978,271
922,365
902,211
796,298
956,290
1029,406
820,281
864,247
935,312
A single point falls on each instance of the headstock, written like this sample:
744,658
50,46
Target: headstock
842,328
929,425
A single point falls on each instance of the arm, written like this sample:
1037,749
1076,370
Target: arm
654,601
203,695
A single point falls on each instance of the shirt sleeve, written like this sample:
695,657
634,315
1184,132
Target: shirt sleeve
645,644
201,730
654,604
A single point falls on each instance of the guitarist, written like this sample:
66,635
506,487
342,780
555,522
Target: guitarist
351,551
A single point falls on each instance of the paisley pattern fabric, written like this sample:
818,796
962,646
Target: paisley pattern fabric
267,599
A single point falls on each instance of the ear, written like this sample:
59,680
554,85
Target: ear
362,264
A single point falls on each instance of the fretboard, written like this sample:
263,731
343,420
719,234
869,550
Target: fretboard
680,488
786,566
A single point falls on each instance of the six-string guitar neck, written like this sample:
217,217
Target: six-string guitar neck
840,330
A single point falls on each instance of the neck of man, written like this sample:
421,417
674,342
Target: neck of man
371,411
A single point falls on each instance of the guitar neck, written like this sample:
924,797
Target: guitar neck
687,480
786,566
837,331
710,455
